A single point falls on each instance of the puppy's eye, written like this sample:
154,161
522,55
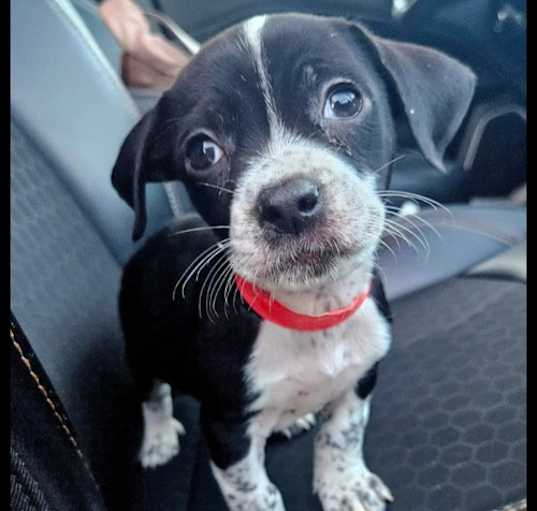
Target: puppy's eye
342,102
202,152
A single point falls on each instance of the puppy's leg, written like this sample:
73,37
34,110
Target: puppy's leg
161,429
237,462
341,478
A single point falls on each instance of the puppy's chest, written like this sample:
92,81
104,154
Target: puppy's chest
295,373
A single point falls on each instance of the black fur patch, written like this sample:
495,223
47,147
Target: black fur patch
367,382
226,439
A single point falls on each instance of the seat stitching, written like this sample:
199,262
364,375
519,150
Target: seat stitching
25,360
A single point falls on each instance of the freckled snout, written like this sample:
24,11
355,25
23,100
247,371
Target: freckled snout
290,207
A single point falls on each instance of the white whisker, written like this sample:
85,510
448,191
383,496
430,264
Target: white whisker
205,281
396,227
214,246
198,229
217,187
388,248
409,219
221,246
394,160
224,272
495,237
416,197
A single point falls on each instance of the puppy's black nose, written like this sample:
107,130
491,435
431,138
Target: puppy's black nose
290,207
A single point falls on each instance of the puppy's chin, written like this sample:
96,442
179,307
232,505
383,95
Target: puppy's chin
305,268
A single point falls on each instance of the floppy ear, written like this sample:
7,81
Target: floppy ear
141,159
435,90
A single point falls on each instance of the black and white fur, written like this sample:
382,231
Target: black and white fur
258,93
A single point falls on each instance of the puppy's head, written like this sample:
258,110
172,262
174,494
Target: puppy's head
278,128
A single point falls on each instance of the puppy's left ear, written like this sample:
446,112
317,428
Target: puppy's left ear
435,90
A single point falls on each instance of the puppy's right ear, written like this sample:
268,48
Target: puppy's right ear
141,159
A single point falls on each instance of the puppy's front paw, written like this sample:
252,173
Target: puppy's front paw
352,489
161,442
303,424
267,498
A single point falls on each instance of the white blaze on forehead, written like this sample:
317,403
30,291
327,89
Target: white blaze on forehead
252,30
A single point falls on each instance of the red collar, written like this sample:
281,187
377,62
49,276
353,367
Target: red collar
271,310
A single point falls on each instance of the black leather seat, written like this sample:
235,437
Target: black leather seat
448,421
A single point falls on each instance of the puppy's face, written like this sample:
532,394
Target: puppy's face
304,207
279,128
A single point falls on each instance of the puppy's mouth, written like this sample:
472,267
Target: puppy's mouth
304,268
310,261
283,261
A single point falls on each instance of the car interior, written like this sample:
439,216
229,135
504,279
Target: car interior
448,422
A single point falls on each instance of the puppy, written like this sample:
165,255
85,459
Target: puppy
268,307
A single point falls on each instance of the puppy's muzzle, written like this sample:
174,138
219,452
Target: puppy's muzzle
291,207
